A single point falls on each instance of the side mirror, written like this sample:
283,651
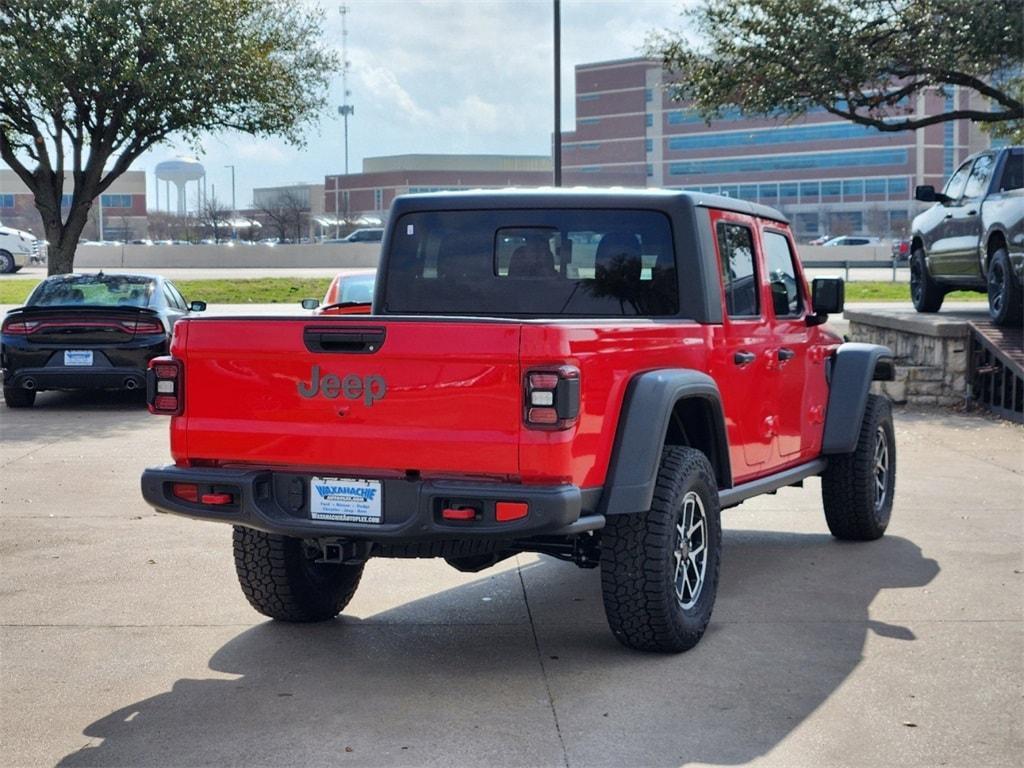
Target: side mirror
197,306
828,294
310,303
926,194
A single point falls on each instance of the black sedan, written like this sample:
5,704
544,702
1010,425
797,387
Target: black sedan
88,332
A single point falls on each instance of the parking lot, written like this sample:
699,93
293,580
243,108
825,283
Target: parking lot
126,641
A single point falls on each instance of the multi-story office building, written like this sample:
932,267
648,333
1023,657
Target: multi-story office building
119,214
383,178
828,175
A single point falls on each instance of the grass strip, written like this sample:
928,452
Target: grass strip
285,290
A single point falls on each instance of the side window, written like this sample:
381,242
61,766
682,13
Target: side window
1013,172
955,186
739,271
173,297
978,181
782,275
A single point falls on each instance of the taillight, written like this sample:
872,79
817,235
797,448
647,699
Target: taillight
20,327
552,398
143,326
165,386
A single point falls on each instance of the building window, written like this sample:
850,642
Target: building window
748,192
733,191
898,189
853,189
650,170
589,120
590,146
648,95
831,188
809,191
649,145
793,135
807,223
590,169
6,201
649,120
116,201
874,187
949,149
788,191
768,192
790,162
378,199
590,96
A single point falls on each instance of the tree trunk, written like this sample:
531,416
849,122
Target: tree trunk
63,239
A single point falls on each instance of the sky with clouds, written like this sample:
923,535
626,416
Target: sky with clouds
456,76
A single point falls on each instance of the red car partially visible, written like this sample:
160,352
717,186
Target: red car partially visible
350,293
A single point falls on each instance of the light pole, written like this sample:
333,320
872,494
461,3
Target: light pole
234,213
558,94
344,110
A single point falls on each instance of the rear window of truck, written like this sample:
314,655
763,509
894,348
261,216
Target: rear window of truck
584,263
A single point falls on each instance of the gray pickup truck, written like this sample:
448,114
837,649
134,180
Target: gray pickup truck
973,237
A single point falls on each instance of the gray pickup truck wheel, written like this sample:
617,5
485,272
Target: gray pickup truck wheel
280,581
925,293
857,488
1004,292
659,568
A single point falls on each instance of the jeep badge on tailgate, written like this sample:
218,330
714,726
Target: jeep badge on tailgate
371,388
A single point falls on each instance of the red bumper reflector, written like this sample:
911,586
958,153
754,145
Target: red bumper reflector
459,513
542,416
186,491
165,403
510,510
217,498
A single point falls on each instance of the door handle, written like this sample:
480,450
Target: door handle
785,353
744,358
948,216
972,213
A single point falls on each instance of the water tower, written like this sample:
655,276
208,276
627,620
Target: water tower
179,172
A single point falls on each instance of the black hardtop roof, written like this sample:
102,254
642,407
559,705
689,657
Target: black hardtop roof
574,197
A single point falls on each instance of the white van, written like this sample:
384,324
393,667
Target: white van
16,249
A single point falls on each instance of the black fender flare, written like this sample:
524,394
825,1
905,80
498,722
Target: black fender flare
852,369
639,439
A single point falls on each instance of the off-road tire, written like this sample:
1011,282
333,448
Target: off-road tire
853,511
18,397
281,582
925,293
7,265
1004,292
638,560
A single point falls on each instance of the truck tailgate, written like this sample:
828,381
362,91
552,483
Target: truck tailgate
353,393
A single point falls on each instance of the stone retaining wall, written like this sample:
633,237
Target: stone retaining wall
930,354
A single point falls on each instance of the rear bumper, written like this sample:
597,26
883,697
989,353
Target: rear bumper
75,378
278,502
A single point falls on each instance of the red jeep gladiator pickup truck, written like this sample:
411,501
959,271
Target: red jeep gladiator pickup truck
591,375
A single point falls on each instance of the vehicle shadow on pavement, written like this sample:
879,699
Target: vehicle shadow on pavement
60,415
448,680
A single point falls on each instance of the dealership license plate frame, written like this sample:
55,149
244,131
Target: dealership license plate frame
78,357
346,500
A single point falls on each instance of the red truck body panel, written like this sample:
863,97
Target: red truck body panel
453,399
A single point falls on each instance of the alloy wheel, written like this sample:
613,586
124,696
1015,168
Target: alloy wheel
691,552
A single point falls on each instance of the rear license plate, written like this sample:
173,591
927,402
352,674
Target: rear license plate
78,357
345,500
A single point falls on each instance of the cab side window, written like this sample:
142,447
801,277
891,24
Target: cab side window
739,270
782,275
955,186
1013,172
977,183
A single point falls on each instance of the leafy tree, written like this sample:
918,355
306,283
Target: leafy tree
864,61
87,86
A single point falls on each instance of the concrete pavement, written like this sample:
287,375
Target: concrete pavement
125,640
